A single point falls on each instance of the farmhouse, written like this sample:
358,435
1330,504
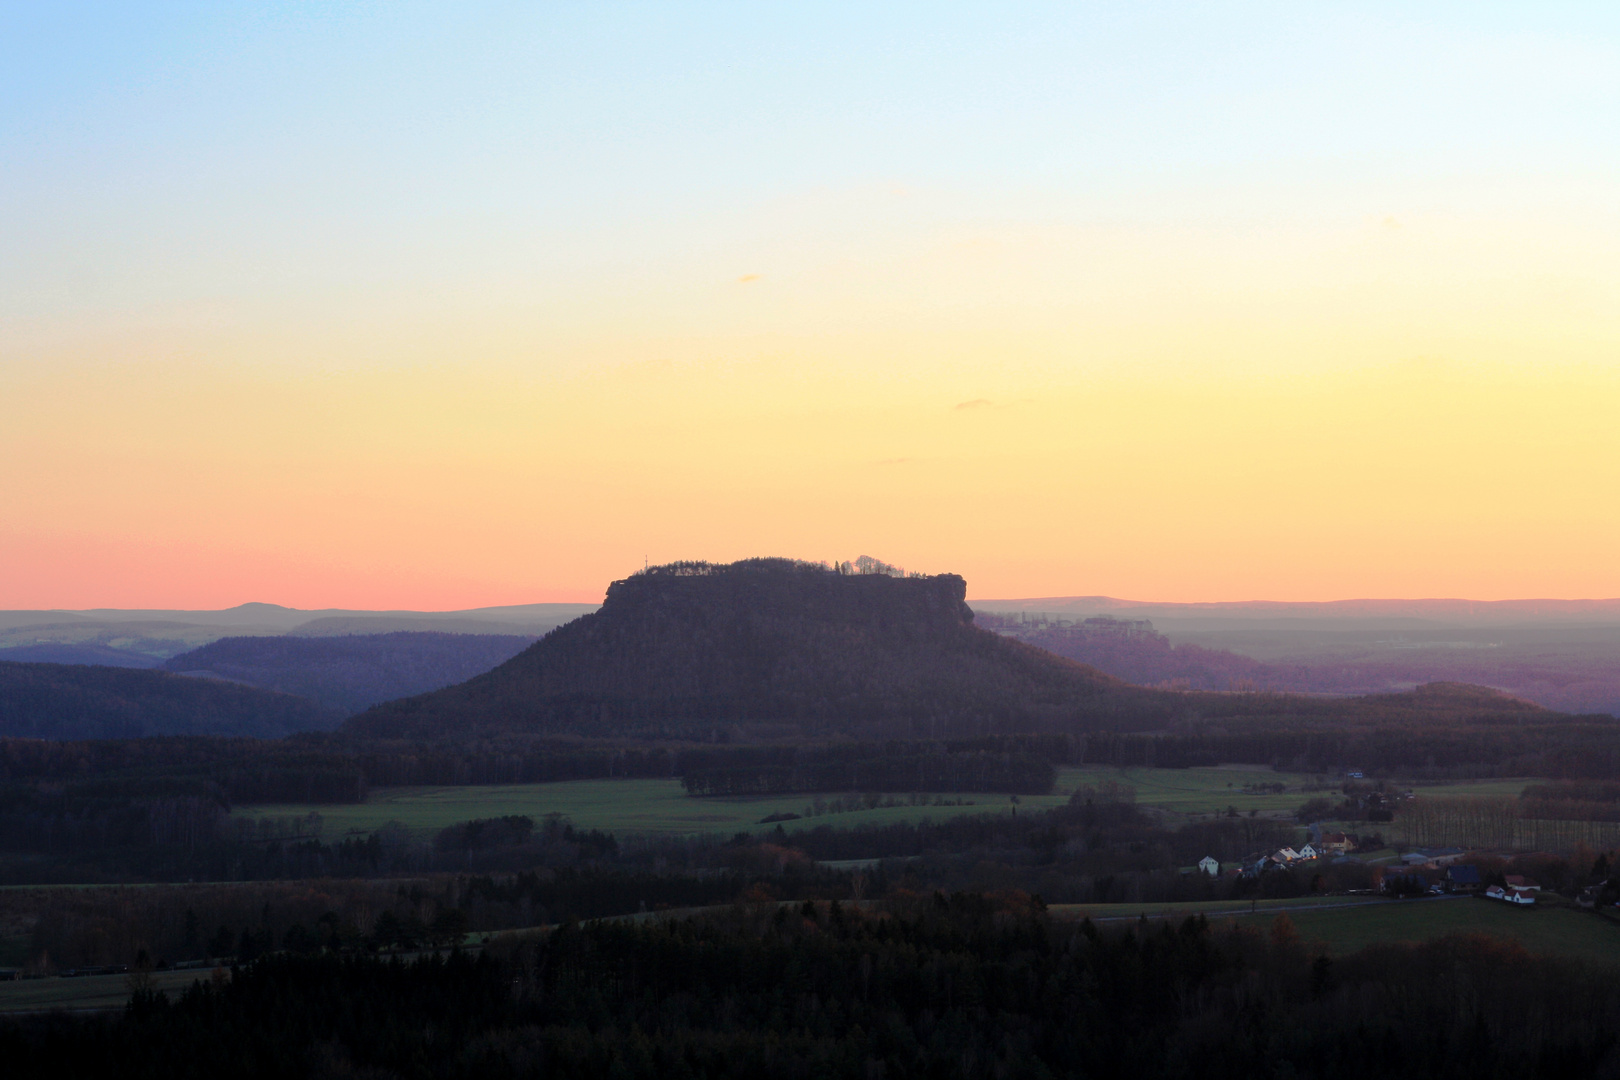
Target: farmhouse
1307,852
1463,878
1516,881
1335,843
1210,865
1255,865
1511,895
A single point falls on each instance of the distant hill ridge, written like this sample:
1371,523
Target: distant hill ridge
1569,665
1450,611
768,642
275,618
756,650
62,701
351,672
132,638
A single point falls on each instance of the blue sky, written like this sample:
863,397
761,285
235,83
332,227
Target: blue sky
423,133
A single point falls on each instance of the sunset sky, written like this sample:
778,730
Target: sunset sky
437,306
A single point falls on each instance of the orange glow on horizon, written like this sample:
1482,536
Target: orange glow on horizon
419,489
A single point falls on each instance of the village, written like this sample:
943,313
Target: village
1405,874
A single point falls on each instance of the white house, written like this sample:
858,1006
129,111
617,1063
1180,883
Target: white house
1511,896
1307,852
1210,865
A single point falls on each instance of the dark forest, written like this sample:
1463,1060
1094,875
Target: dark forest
968,985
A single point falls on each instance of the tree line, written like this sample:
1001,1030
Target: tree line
327,768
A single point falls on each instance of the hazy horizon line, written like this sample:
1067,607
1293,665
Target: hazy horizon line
1053,598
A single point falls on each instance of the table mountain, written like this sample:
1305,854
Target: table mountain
770,646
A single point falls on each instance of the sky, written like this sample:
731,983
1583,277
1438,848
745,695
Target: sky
438,306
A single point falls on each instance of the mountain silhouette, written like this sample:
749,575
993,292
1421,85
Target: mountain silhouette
773,647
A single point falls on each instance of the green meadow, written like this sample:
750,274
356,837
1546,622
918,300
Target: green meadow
1201,790
1502,788
1544,929
663,807
621,806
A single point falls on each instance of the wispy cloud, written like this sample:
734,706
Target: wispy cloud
976,403
746,278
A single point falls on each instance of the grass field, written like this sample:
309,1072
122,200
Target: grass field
663,807
1197,791
1548,930
625,806
1509,788
89,992
1191,907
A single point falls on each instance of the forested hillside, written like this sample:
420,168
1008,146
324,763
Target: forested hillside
70,701
771,647
351,672
51,652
